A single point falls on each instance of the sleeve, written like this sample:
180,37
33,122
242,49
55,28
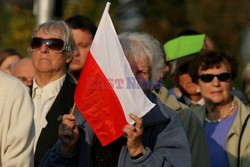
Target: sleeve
20,133
171,148
54,158
197,140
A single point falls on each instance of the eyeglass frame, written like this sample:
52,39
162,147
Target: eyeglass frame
218,76
45,41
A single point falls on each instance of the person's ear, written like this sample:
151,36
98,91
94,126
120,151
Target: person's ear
198,89
69,59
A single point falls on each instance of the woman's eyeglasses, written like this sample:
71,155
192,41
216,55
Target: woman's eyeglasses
223,77
54,44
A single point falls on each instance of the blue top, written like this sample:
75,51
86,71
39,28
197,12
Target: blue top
172,92
216,135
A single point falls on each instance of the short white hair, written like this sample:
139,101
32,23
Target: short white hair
142,45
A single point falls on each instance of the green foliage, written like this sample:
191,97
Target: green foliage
16,26
223,21
90,8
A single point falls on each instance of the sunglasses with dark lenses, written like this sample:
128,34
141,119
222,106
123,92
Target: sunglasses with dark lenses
54,44
223,77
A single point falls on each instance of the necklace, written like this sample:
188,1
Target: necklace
225,116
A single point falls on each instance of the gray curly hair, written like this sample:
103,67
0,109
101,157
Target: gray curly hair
142,45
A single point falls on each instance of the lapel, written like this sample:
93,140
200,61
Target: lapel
158,114
200,112
167,99
234,134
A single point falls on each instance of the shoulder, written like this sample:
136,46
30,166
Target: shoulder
169,99
15,99
200,112
68,86
160,113
70,79
188,116
11,84
7,79
243,110
160,107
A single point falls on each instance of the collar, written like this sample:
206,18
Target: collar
158,114
167,98
51,89
188,101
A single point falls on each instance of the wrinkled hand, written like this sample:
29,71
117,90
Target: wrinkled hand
134,135
68,133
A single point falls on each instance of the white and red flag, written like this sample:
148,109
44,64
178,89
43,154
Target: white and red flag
107,90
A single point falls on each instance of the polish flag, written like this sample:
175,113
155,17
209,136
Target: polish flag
107,90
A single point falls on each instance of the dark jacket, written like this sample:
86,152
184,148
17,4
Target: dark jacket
163,137
192,126
62,104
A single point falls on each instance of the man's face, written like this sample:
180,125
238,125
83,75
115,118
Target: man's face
46,60
83,40
24,70
186,84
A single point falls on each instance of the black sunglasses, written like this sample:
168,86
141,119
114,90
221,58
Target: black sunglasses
223,77
54,44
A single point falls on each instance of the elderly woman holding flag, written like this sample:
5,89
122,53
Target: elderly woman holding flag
114,127
156,139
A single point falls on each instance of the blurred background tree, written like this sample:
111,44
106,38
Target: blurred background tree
16,25
226,22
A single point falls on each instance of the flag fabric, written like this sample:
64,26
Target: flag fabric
183,46
107,90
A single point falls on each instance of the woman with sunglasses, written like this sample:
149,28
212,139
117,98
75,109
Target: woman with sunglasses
224,117
52,45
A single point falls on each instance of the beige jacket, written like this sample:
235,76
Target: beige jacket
234,135
192,126
16,123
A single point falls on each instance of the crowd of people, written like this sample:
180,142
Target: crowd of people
200,121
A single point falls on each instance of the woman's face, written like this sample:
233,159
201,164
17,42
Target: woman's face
140,69
216,91
47,60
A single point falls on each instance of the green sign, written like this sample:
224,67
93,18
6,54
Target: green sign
184,46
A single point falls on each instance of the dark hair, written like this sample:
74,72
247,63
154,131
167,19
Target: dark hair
209,59
181,66
9,52
187,32
82,22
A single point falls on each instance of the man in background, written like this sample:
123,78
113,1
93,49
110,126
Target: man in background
24,70
84,31
16,123
7,58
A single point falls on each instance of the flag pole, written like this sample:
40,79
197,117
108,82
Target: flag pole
73,109
107,6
